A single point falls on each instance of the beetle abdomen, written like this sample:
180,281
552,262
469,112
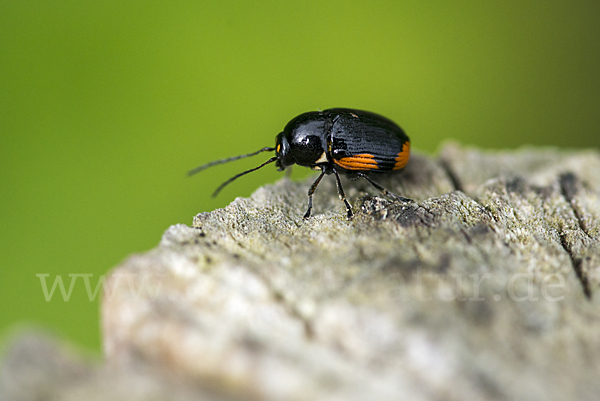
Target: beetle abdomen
372,161
366,141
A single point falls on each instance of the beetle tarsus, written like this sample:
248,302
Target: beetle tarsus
350,214
401,198
307,214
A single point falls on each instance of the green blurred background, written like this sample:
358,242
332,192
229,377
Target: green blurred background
105,105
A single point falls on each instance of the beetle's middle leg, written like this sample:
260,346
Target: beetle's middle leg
341,193
382,189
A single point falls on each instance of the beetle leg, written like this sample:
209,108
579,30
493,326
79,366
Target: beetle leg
383,190
311,191
341,193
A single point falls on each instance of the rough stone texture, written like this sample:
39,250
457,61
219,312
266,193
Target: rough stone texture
486,288
38,367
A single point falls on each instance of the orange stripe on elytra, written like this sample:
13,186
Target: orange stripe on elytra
363,161
402,157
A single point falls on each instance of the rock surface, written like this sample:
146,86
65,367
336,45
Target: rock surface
38,367
485,288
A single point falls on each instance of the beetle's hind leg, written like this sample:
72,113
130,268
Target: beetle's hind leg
311,191
383,190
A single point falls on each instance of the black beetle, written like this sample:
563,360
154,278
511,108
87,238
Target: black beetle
335,141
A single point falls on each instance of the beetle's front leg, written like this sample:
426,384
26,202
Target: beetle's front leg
311,191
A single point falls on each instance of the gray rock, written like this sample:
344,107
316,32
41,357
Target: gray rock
39,367
485,288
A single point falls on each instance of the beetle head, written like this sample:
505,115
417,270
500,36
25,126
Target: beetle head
303,140
283,153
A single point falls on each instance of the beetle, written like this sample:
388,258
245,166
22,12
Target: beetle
335,141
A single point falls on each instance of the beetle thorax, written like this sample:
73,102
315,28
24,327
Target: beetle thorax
307,138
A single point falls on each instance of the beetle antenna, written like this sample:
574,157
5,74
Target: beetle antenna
271,160
217,162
